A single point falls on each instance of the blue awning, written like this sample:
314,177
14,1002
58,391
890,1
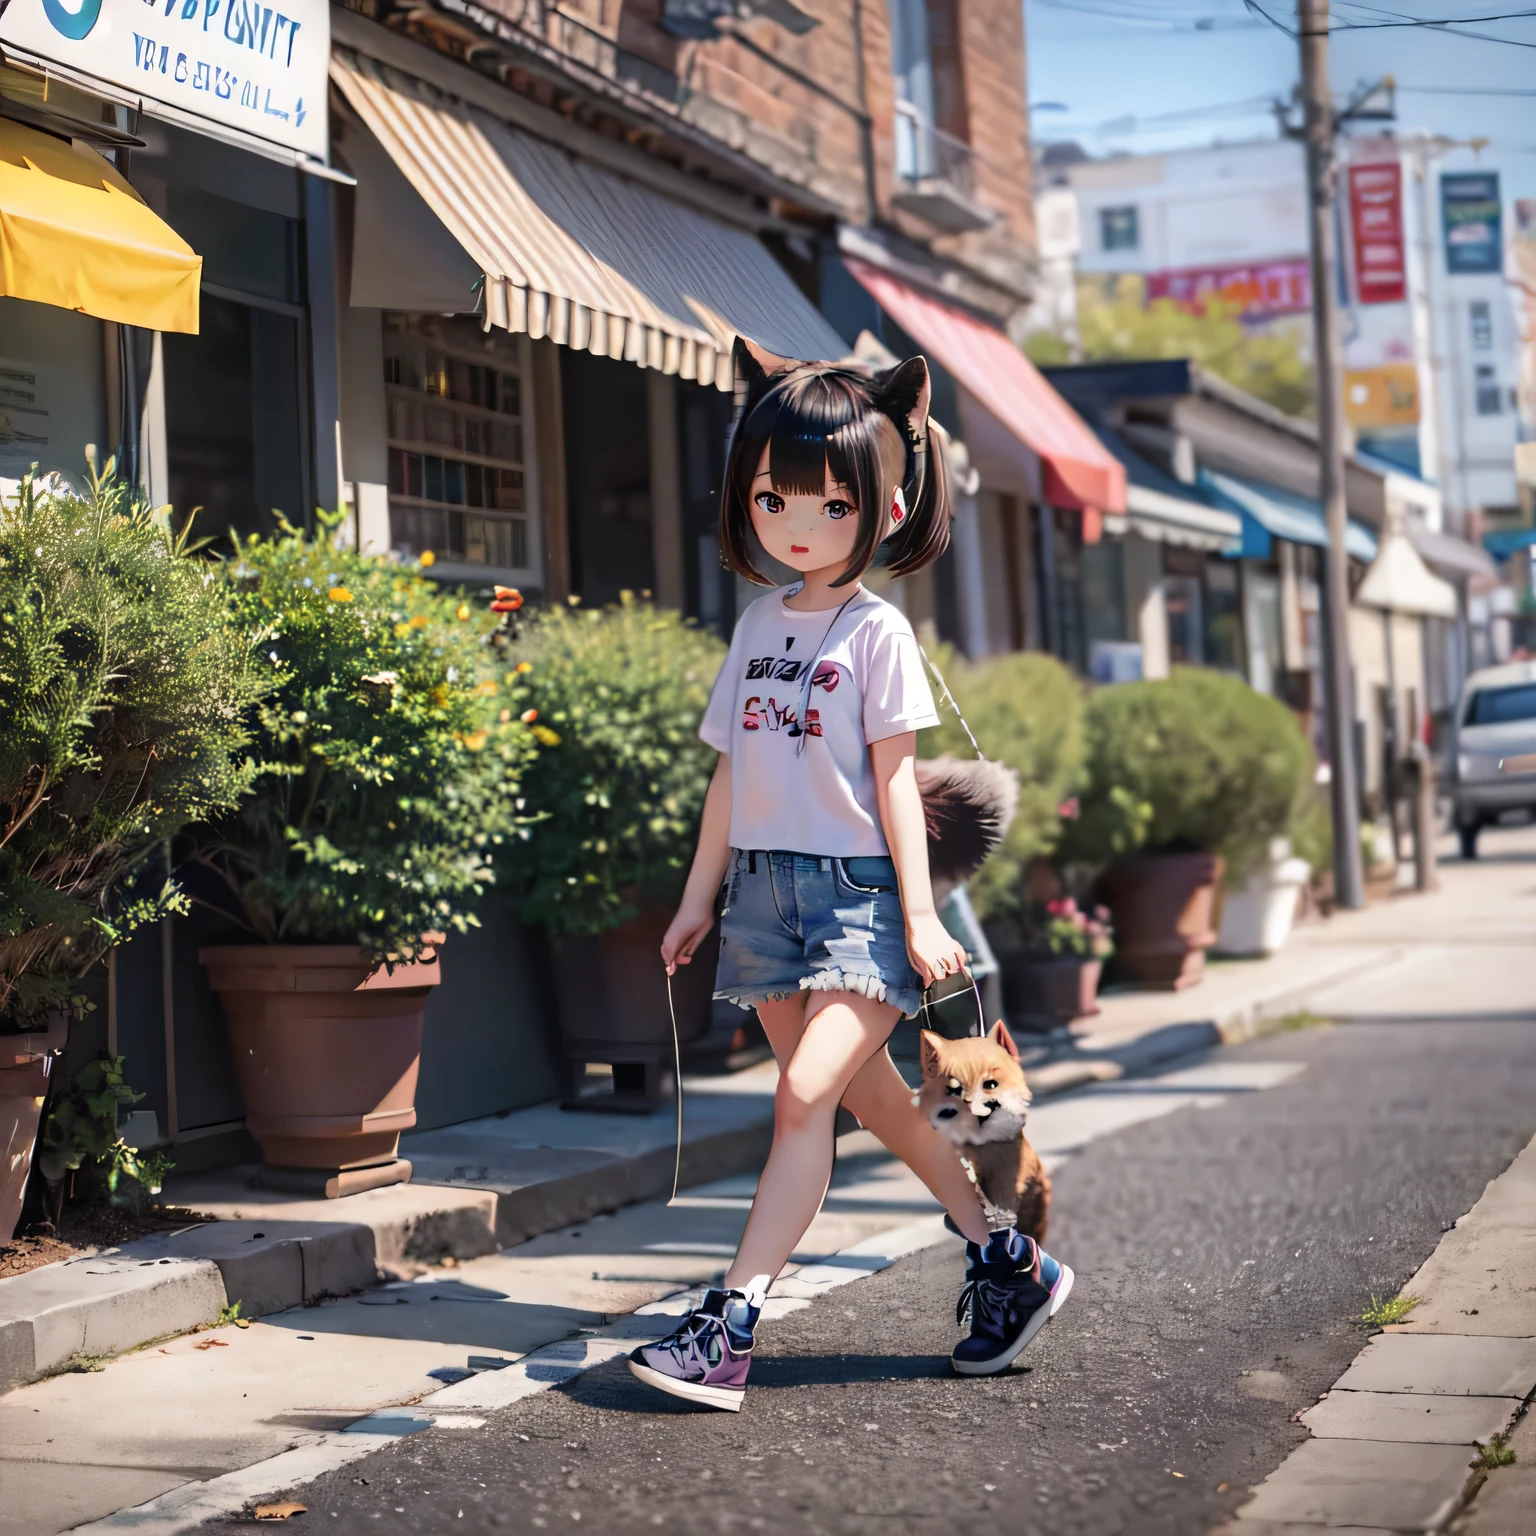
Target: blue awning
1503,542
1268,513
1163,509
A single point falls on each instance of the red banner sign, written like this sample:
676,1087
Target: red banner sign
1376,217
1256,289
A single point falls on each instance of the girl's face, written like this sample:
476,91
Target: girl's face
807,533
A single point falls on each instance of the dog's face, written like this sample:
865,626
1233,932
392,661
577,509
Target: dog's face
973,1090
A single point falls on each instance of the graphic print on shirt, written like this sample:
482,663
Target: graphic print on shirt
771,715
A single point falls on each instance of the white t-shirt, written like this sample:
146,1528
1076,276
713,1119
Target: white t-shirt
809,788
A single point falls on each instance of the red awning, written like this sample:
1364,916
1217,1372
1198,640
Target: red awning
1078,470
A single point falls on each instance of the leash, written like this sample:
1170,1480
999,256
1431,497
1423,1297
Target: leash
677,1090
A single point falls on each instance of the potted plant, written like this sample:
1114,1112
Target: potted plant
1188,777
389,750
124,680
1056,978
617,789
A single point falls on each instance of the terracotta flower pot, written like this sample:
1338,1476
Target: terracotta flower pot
327,1048
25,1063
1044,992
1162,907
611,999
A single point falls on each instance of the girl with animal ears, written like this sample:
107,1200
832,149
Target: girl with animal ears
814,826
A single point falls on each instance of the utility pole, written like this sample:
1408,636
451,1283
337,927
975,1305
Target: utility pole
1338,684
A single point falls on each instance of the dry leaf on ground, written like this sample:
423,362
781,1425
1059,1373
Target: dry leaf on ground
279,1511
211,1344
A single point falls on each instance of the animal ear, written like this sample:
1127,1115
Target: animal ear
930,1050
999,1036
754,364
904,394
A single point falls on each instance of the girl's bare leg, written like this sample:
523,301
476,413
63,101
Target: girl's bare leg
841,1031
882,1102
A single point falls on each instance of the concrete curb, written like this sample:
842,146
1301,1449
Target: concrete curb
176,1282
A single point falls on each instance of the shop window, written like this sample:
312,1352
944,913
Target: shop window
235,417
454,397
607,475
1481,316
1489,397
1223,617
243,248
1119,229
1104,592
1061,583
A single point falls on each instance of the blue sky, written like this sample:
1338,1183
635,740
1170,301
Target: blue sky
1122,68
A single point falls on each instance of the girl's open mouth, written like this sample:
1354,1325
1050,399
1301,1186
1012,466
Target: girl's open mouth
799,549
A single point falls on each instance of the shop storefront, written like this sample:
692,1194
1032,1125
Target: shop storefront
187,199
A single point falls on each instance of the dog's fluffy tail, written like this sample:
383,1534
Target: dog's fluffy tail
968,807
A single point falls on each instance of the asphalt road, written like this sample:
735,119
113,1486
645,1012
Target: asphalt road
1222,1256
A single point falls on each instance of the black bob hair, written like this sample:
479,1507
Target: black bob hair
873,434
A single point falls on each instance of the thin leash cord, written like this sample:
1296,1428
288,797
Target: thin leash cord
949,699
677,1090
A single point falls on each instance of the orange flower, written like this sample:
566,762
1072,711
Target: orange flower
428,558
528,716
339,595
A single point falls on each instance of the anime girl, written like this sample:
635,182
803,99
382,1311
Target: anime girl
815,827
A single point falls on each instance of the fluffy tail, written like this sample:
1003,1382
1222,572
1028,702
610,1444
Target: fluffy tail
968,807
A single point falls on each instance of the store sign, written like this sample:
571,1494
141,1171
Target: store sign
1471,214
1376,218
1386,396
1254,289
259,68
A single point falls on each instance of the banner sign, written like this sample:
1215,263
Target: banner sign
1385,396
1256,289
259,68
1376,218
1471,214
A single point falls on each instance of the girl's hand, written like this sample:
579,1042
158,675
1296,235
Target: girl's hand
934,954
685,933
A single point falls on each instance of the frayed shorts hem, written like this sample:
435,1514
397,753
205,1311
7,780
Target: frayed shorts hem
833,979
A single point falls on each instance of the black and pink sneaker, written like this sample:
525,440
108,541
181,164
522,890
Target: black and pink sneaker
706,1358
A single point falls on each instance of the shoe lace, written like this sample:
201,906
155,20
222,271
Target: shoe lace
981,1301
687,1342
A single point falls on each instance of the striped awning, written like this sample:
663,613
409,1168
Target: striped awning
579,254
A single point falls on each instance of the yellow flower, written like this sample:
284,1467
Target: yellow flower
402,630
440,696
339,595
419,621
475,741
524,666
545,737
428,558
462,612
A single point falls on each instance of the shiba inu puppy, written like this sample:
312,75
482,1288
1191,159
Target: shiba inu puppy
974,1092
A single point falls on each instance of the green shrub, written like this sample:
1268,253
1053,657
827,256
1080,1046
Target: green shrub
619,790
80,1132
390,751
1194,761
1026,711
125,682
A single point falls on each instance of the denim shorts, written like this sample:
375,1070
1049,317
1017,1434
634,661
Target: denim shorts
796,923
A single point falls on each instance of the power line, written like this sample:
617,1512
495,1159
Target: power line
1442,24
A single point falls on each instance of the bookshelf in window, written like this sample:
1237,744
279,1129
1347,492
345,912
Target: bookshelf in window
454,395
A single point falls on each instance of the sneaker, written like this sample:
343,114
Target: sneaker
1012,1290
705,1359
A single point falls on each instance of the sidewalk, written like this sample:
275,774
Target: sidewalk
1396,1443
488,1184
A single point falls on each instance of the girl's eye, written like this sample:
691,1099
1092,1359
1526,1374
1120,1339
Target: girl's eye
990,1084
769,502
837,510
